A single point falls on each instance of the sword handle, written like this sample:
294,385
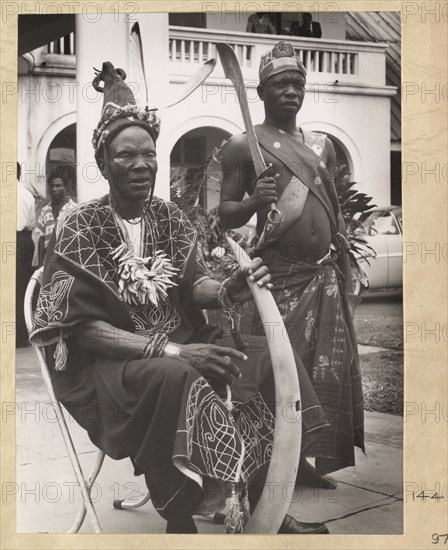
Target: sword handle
274,216
263,172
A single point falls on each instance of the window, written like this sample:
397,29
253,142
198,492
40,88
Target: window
381,223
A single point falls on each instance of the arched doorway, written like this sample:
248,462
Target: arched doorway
61,159
342,155
190,181
347,152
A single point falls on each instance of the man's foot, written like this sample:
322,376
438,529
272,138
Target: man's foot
185,525
308,477
291,526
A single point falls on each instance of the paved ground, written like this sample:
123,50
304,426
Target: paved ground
368,499
375,303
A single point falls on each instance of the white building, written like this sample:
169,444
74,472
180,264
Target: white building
347,96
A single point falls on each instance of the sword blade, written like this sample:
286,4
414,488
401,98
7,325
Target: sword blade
195,81
232,71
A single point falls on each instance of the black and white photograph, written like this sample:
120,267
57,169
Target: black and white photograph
209,272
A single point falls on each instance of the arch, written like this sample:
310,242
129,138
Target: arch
198,122
346,143
25,64
61,159
45,141
193,172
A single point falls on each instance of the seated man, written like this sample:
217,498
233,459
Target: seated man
130,354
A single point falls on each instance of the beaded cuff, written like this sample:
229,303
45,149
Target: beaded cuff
232,312
155,345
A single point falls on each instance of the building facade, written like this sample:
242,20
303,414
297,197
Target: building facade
347,97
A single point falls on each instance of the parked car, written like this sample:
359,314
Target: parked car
382,229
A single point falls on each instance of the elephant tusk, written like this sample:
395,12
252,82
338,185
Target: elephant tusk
273,506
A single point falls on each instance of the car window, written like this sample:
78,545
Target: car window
380,223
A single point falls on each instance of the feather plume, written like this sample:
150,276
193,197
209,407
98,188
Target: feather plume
138,66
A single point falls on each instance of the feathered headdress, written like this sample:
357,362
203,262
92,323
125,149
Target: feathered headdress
119,108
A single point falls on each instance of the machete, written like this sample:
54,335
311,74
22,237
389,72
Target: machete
196,80
190,86
232,71
139,76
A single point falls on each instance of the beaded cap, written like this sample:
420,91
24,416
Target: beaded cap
281,58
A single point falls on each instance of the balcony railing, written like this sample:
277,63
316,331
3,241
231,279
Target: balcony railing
328,61
62,46
348,62
186,49
197,49
342,60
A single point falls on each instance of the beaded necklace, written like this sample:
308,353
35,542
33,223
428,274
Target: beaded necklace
138,284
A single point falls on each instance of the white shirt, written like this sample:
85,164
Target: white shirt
135,236
26,209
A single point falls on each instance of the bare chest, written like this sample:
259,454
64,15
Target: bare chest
309,237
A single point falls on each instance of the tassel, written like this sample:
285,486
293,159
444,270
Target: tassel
238,508
60,355
234,522
245,506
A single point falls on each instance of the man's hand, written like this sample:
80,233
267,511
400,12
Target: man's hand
237,288
214,363
265,191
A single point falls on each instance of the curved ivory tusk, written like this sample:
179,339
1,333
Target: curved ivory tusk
273,504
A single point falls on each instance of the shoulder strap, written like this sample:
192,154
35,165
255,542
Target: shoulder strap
318,141
314,140
300,160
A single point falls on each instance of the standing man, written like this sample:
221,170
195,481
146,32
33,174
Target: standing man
50,213
306,254
260,23
26,220
309,28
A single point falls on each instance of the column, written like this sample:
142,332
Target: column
102,40
107,39
155,39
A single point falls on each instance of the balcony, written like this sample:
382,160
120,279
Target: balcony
351,64
56,58
65,45
347,62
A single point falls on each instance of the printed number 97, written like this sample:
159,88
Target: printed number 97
436,538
